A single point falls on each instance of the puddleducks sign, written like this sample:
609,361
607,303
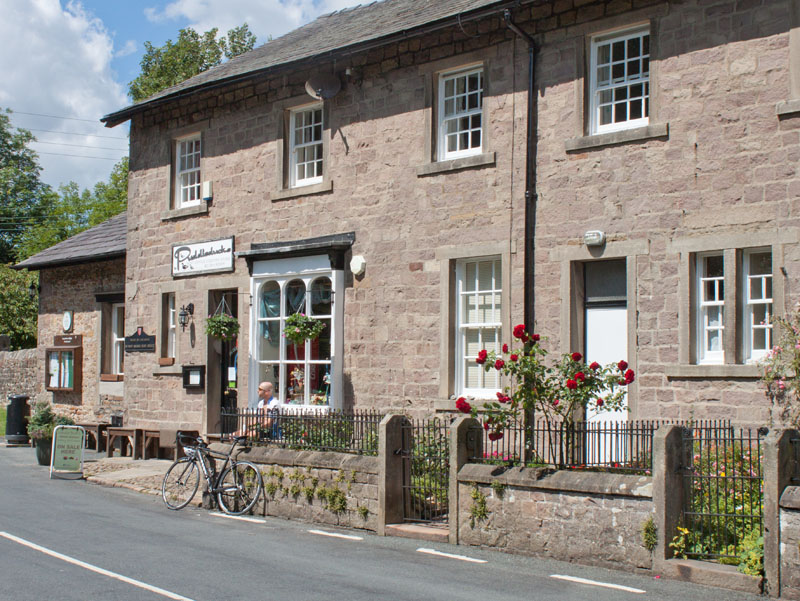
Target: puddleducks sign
202,257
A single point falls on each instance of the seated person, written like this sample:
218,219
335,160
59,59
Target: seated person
267,410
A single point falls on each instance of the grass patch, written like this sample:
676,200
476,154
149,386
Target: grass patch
2,420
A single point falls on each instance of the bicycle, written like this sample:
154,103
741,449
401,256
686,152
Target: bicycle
238,484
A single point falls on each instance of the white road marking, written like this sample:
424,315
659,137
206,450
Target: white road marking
336,535
92,568
618,587
237,517
451,556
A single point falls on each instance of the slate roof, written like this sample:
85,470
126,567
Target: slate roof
326,36
103,241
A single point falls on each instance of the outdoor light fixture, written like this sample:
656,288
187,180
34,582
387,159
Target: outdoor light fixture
183,315
594,238
33,290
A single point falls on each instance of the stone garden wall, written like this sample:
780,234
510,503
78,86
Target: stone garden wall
790,543
18,373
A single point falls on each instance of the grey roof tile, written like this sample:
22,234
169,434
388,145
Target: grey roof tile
103,241
328,33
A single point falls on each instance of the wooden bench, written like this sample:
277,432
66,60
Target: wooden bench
163,439
96,433
131,438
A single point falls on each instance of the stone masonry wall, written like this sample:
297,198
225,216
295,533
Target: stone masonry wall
588,518
18,373
790,543
327,488
74,288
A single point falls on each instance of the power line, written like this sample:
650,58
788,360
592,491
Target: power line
97,121
78,145
77,156
69,133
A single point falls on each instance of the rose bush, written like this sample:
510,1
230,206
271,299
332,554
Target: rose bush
558,391
781,376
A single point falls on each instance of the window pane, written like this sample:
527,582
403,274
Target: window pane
295,292
714,340
321,297
714,266
269,341
761,263
714,316
760,339
473,343
295,383
321,346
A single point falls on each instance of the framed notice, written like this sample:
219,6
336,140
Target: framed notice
67,453
199,258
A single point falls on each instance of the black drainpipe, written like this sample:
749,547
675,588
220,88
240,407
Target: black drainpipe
530,179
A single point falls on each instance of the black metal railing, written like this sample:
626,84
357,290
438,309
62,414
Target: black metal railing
723,492
318,430
426,470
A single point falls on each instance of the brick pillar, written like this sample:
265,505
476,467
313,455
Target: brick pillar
777,475
667,488
466,440
390,476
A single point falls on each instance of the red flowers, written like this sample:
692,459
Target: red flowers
503,398
514,357
535,337
481,357
462,405
580,376
505,347
622,365
572,384
519,332
629,377
576,356
556,402
498,365
599,402
495,435
594,366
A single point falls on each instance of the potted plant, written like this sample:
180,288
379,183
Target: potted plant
300,327
40,429
222,326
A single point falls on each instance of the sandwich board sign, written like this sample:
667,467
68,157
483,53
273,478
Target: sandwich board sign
66,456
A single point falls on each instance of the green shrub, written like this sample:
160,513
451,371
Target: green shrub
751,555
44,420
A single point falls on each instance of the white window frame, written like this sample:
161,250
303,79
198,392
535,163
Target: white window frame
596,88
170,326
748,324
704,354
117,338
283,271
491,379
188,181
466,113
295,147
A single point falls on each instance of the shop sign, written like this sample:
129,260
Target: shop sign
67,451
140,342
202,257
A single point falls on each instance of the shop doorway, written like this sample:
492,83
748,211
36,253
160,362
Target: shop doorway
223,365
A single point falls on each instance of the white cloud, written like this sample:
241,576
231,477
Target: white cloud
128,48
264,17
56,60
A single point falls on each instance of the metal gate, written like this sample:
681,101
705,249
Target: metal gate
426,470
723,492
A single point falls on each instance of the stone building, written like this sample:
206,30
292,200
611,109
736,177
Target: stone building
618,175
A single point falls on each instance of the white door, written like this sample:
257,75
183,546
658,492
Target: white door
607,342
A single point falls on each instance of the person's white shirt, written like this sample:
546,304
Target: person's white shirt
271,403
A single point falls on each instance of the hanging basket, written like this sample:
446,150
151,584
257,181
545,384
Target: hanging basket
222,324
300,327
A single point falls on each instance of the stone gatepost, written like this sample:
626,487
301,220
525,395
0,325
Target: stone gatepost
777,473
390,472
466,440
667,488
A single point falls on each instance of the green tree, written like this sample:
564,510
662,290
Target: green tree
192,53
18,311
23,197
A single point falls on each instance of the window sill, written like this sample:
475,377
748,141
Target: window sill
637,134
478,160
788,108
165,361
112,378
200,209
713,371
303,191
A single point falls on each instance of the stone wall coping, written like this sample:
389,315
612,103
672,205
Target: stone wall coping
318,459
790,499
603,483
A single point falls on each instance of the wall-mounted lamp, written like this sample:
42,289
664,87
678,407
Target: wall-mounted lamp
33,290
358,265
183,315
594,238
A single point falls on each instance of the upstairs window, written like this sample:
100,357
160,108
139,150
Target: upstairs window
757,274
306,151
620,81
460,114
187,172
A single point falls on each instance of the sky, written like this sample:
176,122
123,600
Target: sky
67,63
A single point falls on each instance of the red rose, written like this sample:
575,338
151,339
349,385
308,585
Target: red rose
513,357
594,366
576,356
505,347
519,332
555,403
535,337
572,384
503,398
622,365
462,405
580,377
485,425
599,402
495,435
481,357
629,376
498,365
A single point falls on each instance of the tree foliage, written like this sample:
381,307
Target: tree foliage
192,53
18,312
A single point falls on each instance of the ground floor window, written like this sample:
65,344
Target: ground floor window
303,373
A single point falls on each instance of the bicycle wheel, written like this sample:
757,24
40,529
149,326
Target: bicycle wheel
239,488
180,483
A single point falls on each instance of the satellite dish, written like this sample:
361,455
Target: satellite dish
323,85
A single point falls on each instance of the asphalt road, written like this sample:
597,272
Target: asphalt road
71,540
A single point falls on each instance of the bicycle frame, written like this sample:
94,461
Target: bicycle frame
200,451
